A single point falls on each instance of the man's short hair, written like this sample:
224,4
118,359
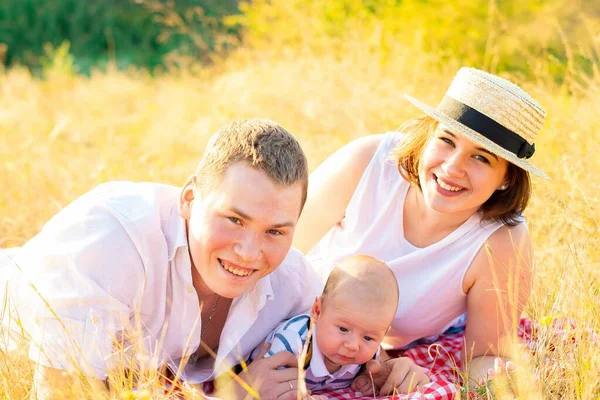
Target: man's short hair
259,143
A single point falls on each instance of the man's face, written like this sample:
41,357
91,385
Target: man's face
240,231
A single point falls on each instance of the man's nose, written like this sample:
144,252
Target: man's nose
248,248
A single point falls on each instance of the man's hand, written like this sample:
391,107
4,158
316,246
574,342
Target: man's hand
265,379
400,374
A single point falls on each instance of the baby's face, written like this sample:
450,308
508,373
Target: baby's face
348,332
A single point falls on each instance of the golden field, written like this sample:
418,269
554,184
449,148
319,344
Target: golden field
61,136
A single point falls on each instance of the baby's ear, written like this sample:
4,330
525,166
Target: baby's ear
316,309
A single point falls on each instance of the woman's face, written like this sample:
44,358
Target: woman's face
457,176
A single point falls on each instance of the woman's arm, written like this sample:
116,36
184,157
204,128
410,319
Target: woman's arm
499,284
330,190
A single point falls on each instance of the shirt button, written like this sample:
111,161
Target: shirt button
190,289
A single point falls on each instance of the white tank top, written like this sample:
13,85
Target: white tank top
430,278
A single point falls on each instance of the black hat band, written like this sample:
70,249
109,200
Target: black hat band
486,126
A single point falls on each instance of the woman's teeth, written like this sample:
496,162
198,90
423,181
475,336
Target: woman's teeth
448,187
235,270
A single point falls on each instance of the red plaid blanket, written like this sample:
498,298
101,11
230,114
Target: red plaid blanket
441,359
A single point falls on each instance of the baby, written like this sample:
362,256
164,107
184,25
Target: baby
348,321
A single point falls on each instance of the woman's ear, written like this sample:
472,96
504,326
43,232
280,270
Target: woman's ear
186,197
317,307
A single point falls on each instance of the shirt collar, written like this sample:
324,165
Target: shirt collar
175,233
317,361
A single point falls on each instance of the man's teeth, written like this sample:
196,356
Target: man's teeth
234,270
448,187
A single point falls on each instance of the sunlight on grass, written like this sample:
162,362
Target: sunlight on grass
62,136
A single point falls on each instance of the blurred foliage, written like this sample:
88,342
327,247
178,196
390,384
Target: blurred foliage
550,38
559,37
141,33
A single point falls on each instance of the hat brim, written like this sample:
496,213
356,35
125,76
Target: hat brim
474,136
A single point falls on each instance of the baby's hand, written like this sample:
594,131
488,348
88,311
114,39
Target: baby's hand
394,375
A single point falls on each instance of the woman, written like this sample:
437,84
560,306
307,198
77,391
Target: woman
440,201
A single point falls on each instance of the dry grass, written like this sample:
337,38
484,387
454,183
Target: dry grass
62,136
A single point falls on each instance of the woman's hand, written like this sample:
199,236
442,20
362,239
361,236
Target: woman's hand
500,370
396,374
499,379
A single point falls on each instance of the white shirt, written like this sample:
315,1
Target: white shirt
291,336
116,260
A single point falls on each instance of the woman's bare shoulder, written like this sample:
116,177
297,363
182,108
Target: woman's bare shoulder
508,246
508,239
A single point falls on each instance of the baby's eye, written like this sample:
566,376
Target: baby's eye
368,338
342,329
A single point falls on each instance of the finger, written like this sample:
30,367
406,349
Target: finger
360,381
409,384
395,379
285,393
263,351
498,365
367,391
282,359
425,379
285,375
510,366
373,366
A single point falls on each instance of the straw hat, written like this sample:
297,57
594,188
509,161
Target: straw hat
492,112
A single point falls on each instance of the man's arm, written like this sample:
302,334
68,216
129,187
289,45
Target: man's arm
81,275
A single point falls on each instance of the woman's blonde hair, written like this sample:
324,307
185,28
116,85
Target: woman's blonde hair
505,206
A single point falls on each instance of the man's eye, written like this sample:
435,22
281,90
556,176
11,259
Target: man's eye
235,220
274,232
343,329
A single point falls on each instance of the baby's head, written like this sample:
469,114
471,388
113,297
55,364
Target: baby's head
355,311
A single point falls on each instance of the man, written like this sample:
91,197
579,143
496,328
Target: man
140,274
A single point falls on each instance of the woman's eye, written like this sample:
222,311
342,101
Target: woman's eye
343,329
482,159
447,140
235,220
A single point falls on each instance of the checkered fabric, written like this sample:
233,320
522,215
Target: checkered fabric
441,359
